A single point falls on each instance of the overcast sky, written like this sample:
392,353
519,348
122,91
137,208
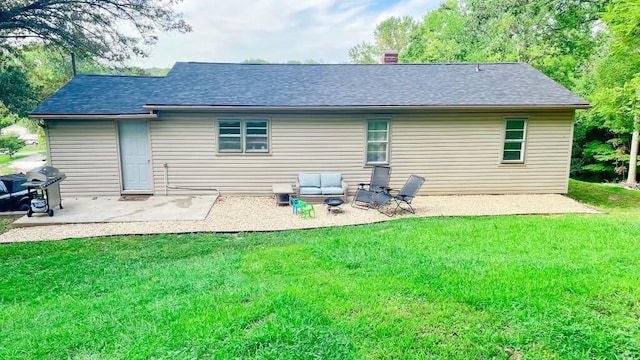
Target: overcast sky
277,30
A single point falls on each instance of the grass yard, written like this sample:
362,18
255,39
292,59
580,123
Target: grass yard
6,159
5,222
508,287
611,198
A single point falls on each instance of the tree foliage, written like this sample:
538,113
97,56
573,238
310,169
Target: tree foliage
555,36
293,62
254,61
35,35
392,34
107,29
364,53
18,95
441,37
616,77
12,143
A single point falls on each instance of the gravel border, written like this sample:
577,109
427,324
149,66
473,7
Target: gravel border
246,214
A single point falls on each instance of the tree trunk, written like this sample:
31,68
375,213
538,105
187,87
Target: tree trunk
633,154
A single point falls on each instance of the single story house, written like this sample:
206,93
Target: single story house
239,128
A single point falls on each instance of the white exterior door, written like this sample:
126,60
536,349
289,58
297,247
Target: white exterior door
134,155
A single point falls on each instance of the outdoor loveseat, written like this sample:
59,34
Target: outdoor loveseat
315,187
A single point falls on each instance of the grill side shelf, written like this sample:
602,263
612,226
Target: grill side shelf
44,184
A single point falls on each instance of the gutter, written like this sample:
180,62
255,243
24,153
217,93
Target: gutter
356,108
240,108
93,116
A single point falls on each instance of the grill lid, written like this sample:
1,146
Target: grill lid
43,176
48,171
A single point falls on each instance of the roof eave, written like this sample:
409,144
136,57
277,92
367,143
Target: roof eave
374,107
93,116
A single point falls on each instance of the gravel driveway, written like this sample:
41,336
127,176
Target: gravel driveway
30,161
238,214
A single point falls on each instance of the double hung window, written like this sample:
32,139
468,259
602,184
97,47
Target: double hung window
243,135
377,141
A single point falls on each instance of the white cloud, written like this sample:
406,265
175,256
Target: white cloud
414,8
276,30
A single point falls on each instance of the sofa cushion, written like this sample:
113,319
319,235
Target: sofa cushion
310,190
309,180
330,180
332,190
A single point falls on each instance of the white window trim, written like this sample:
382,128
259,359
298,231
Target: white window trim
367,142
523,142
243,136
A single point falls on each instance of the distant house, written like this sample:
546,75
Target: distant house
22,132
467,128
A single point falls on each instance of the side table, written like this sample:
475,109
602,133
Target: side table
281,193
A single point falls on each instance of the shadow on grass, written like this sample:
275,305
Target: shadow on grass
608,197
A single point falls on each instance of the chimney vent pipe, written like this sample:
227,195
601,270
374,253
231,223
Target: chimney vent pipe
73,63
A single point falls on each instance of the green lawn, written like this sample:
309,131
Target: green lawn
608,197
5,159
508,287
5,222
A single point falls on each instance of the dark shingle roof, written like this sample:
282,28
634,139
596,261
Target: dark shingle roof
280,85
359,85
100,95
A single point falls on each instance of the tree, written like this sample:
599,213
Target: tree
17,95
106,29
441,37
45,67
364,53
12,143
291,62
254,61
555,36
7,118
616,93
391,34
394,33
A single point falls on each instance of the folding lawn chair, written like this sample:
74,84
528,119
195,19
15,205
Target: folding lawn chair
404,196
379,183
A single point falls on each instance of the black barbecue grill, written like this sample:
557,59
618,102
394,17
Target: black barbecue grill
43,185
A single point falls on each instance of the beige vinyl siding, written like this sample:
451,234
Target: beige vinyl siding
458,153
462,154
297,144
86,150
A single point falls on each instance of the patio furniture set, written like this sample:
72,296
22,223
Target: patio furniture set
332,190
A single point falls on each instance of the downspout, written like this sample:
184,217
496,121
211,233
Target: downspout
166,178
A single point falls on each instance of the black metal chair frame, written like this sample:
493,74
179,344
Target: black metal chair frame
380,176
404,196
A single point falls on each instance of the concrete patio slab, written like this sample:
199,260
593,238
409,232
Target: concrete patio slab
112,209
240,214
